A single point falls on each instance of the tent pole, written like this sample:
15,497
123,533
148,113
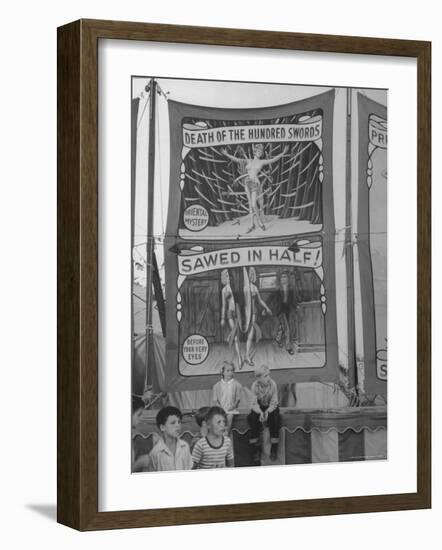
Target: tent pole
150,236
349,252
134,114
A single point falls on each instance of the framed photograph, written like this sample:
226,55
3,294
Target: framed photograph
243,275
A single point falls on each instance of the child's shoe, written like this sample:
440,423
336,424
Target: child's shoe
257,456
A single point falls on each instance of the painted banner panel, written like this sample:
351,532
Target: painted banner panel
249,248
372,244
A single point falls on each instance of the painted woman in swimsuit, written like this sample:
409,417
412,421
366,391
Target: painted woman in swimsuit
252,183
254,331
228,311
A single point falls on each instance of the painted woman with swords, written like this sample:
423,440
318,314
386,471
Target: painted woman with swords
252,168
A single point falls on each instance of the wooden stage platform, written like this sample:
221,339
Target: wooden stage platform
306,436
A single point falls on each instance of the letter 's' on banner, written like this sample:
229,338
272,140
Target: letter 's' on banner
250,243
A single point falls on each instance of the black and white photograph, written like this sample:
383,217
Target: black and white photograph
259,262
225,314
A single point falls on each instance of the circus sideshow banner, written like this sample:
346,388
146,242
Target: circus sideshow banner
372,245
250,243
251,173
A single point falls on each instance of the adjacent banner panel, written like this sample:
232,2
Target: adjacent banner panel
250,240
372,243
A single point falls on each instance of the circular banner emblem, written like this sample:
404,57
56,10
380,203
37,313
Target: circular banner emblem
195,349
195,217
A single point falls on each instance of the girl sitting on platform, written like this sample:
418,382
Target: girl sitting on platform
264,409
227,393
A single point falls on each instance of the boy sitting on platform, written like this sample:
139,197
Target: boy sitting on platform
264,409
215,450
170,452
